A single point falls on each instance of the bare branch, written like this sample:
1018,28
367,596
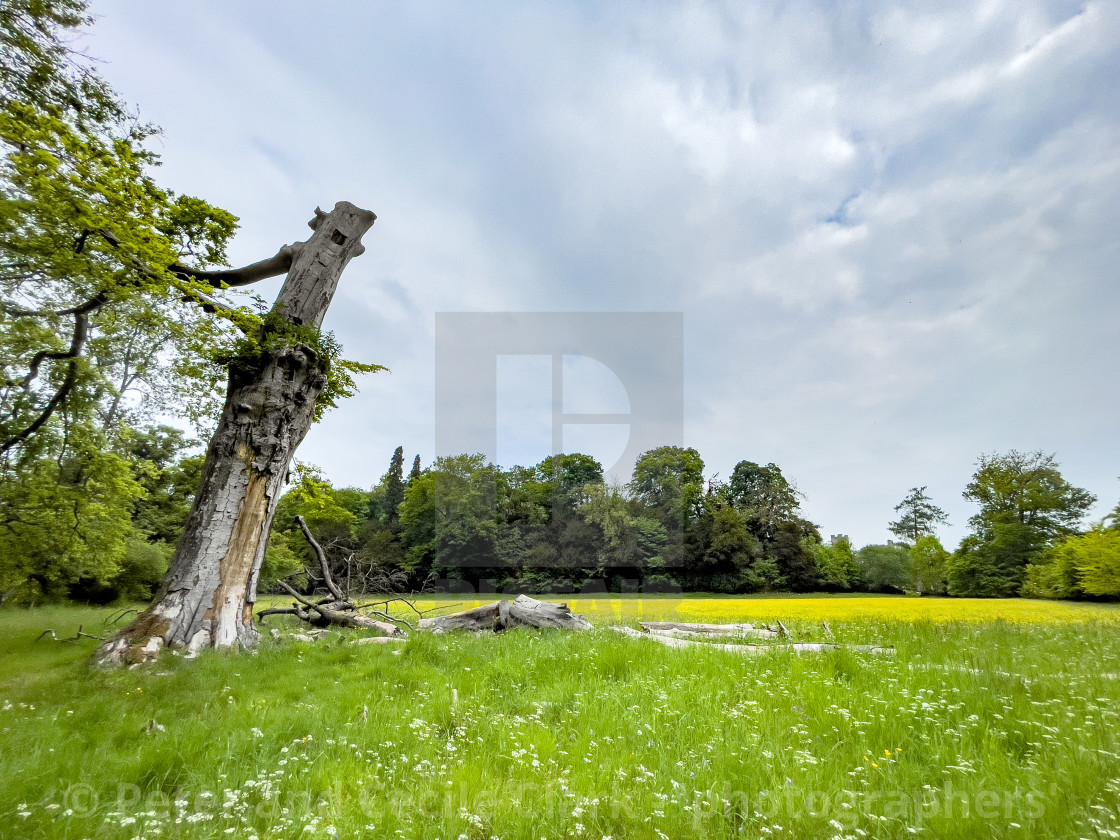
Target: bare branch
77,636
274,266
332,587
95,302
81,331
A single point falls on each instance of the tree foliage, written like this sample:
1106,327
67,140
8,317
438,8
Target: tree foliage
918,516
885,568
764,495
1027,489
110,315
836,564
66,520
928,560
1085,565
1025,505
670,481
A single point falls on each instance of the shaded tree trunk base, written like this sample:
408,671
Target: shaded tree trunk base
143,640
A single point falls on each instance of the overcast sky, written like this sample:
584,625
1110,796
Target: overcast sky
892,232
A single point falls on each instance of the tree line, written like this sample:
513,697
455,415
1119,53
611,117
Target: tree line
559,523
465,522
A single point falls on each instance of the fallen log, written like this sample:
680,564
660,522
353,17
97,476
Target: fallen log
502,615
699,631
751,650
378,640
330,614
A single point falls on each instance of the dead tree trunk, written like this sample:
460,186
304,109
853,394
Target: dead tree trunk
206,599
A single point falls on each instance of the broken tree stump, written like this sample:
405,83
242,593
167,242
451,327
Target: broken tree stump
502,615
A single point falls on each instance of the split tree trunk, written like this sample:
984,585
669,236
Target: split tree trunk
206,599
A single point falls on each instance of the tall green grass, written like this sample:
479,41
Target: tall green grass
971,730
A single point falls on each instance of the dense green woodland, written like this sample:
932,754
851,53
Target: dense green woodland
107,322
558,524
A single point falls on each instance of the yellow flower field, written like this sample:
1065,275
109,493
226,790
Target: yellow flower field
630,608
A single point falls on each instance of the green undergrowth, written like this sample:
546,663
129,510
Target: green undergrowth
969,730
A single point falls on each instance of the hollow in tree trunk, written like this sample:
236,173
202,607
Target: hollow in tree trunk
206,599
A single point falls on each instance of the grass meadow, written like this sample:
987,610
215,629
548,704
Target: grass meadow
993,719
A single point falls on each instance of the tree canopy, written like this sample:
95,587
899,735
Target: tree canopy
918,516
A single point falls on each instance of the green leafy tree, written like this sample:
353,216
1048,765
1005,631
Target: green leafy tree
380,548
791,551
169,476
95,255
67,519
1025,505
732,562
669,480
770,505
329,513
284,559
607,507
993,566
449,519
1088,564
919,516
1028,489
764,495
563,477
928,559
1097,561
836,564
333,515
100,322
885,568
394,491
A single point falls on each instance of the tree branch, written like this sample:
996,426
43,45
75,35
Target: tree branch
322,557
95,302
274,266
81,331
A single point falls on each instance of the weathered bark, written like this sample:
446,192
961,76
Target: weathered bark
206,599
501,615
